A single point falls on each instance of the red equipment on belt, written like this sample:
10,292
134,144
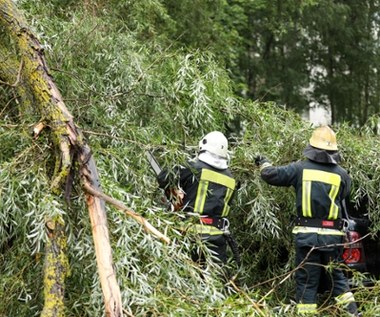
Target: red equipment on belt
207,221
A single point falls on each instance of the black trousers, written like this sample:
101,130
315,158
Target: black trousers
308,276
217,245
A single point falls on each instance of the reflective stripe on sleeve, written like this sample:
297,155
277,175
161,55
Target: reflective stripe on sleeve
266,164
308,177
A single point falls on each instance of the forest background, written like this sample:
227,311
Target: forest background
157,75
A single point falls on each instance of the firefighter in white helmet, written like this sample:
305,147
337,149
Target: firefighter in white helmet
208,187
322,187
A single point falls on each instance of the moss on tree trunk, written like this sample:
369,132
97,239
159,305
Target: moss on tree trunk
56,269
69,143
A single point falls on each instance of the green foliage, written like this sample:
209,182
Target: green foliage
25,204
130,88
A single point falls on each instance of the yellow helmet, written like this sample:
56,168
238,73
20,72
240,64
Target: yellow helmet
324,138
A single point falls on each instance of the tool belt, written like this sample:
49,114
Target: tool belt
319,223
223,224
217,222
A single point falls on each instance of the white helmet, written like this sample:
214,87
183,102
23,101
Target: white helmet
216,143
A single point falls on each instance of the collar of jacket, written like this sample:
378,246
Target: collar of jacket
322,156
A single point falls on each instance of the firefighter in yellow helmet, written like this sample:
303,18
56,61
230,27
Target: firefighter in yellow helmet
322,187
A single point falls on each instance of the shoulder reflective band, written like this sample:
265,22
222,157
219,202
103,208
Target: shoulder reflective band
208,176
218,178
332,179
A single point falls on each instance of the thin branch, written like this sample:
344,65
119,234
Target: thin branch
142,145
17,78
7,104
254,304
128,313
156,61
141,220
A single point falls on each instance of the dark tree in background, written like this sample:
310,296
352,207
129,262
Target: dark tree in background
292,52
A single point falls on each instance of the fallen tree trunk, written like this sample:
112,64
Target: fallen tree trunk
72,148
56,269
70,140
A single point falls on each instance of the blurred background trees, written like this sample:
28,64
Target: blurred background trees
296,53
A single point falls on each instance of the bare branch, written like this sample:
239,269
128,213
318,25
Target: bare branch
141,220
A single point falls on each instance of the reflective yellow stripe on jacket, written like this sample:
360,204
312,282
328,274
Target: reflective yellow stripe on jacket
200,229
205,229
208,176
323,231
308,177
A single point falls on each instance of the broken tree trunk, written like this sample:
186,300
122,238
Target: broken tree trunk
69,139
56,269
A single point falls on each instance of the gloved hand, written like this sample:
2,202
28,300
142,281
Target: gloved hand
260,160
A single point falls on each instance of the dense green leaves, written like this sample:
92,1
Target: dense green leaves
158,75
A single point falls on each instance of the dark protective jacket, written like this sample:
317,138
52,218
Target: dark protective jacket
320,188
208,191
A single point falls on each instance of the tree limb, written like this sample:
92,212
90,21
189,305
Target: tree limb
141,220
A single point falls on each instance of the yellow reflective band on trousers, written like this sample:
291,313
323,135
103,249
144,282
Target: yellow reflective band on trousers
322,231
208,176
345,299
306,309
332,179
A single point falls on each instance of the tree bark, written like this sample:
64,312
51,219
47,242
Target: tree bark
56,269
70,140
32,75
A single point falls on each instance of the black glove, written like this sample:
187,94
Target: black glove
260,160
